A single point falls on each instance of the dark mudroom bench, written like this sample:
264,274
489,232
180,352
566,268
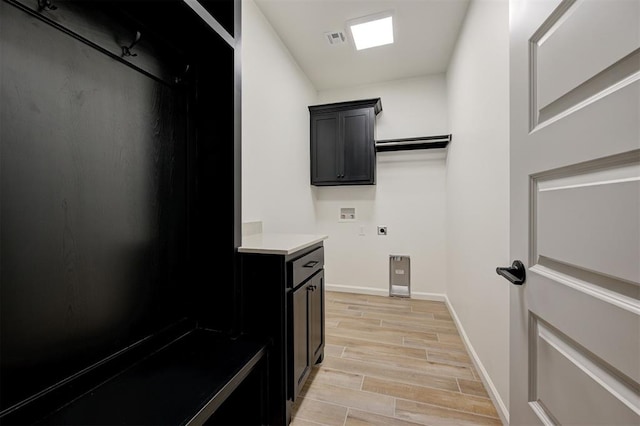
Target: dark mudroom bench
200,377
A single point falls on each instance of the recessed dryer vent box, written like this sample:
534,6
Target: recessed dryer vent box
399,276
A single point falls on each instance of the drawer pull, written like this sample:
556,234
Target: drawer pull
310,264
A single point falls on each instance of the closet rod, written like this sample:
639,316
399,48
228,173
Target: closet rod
404,144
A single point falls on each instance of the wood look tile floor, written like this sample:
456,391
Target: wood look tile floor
392,361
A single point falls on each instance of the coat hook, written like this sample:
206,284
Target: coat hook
180,79
46,5
126,50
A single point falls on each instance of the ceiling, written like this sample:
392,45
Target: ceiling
425,33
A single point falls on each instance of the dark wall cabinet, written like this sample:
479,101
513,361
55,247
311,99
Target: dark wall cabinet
283,301
343,142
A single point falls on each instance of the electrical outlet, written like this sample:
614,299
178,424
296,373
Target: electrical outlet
382,230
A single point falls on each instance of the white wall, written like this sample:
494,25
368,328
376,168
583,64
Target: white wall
275,130
408,198
452,219
410,107
478,188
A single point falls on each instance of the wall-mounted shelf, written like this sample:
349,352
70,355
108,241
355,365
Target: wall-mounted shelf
406,144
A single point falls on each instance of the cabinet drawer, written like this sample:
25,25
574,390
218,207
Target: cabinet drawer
305,266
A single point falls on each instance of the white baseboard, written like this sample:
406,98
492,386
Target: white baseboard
503,412
380,292
354,289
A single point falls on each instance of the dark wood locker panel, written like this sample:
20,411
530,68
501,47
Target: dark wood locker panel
222,10
94,204
120,140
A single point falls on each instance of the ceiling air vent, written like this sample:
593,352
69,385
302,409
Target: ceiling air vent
335,37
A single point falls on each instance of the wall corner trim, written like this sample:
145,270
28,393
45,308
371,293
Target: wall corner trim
503,411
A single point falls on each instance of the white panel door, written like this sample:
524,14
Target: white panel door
575,212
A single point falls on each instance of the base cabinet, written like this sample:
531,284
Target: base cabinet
283,300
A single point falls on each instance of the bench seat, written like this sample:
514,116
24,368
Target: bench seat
182,383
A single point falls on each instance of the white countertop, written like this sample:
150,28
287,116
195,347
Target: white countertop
275,243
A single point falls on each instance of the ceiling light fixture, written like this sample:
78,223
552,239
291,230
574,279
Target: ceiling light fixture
372,31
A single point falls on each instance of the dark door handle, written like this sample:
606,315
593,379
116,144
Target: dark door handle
310,264
516,273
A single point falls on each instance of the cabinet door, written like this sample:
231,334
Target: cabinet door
299,344
316,318
358,150
325,148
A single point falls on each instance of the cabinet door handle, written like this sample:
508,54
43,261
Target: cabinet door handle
310,264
